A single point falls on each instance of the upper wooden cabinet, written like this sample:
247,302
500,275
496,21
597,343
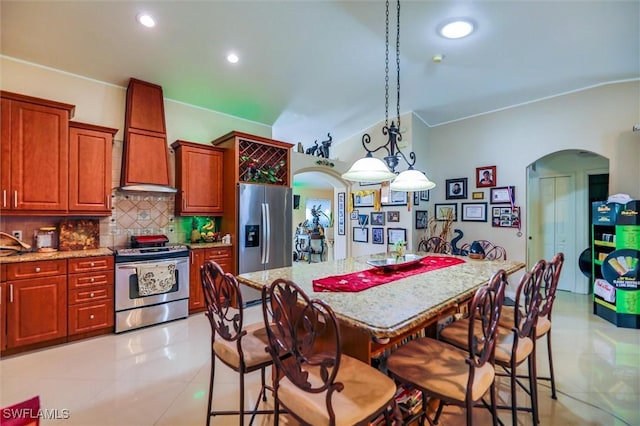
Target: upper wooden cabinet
145,156
198,178
35,154
255,159
90,168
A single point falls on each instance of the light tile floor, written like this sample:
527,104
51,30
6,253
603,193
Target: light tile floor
159,376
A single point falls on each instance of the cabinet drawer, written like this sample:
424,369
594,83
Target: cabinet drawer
94,294
218,253
83,281
45,268
88,264
88,317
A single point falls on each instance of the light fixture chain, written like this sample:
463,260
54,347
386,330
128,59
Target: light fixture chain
386,68
398,63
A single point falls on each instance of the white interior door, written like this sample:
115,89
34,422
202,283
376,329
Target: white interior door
558,221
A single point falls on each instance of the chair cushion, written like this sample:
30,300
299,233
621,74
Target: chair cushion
366,391
457,334
440,368
507,319
254,345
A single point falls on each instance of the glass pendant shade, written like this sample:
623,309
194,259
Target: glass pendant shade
411,180
369,170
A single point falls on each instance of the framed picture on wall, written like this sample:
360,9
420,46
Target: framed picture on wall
474,212
447,211
456,189
363,200
422,219
424,195
396,198
377,235
486,176
360,235
354,215
393,216
503,195
396,234
416,198
377,218
341,213
505,217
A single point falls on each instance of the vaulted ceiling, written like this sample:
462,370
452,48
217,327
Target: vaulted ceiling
311,67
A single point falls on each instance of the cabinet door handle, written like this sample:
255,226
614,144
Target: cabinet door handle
37,269
92,316
15,199
91,294
11,293
108,204
92,279
4,198
92,264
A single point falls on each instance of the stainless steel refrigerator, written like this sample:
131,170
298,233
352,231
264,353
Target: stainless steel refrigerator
264,231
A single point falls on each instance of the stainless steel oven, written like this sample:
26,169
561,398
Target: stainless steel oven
135,304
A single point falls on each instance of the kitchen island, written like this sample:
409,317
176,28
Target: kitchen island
373,319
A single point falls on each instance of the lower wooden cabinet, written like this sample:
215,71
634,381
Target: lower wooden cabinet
54,301
36,308
91,300
223,256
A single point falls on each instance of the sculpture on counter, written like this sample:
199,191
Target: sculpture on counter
454,243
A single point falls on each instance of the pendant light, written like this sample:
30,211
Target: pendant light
373,170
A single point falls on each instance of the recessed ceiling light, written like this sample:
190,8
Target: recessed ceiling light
458,28
233,58
146,20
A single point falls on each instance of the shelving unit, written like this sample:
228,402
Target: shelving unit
615,263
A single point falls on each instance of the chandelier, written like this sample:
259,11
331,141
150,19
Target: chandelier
373,170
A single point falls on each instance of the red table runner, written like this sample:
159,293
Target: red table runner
358,281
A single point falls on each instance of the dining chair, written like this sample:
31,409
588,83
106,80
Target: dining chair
448,373
242,348
515,339
435,245
317,383
23,413
496,253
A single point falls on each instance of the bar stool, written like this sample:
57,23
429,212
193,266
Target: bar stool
241,348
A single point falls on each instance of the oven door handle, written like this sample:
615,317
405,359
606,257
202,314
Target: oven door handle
126,267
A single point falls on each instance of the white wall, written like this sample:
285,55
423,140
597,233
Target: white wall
597,120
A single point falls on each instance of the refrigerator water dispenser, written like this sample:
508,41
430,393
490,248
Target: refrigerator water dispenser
252,235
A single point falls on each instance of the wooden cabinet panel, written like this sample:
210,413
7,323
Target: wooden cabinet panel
89,280
39,157
3,316
35,155
36,310
90,168
38,269
145,107
198,179
196,296
5,155
223,256
145,159
90,317
90,264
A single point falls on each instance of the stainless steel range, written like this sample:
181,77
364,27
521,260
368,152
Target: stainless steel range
151,282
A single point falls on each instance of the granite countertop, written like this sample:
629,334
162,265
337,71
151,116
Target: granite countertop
56,255
391,309
208,245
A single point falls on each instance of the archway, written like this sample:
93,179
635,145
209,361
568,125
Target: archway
558,207
311,181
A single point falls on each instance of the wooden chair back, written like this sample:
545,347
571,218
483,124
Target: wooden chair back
550,284
223,301
528,299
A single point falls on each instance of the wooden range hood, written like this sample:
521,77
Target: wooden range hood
145,157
